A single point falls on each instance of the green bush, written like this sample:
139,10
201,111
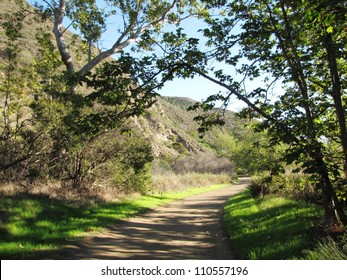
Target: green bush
293,185
260,186
128,179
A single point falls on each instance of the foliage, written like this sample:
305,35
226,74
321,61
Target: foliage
130,167
48,132
139,22
250,151
272,228
261,186
20,139
298,186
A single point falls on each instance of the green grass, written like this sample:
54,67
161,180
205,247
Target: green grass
33,226
272,228
327,249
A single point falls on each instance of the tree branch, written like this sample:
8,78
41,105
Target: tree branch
122,43
59,14
232,92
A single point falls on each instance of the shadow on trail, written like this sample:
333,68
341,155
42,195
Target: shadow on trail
186,229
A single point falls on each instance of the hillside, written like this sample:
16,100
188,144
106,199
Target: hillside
171,128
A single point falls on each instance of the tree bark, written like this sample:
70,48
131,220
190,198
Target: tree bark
337,96
66,57
334,213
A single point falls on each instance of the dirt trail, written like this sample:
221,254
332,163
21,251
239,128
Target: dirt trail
184,229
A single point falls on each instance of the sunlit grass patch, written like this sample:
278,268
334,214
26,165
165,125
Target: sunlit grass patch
272,228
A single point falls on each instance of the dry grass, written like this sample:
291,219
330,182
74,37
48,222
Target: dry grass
55,190
173,182
98,193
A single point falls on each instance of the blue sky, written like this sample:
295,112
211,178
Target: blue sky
197,88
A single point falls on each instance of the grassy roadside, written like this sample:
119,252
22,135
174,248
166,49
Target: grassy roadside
31,225
272,228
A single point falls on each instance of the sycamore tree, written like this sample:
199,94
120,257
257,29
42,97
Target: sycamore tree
125,22
119,83
96,86
296,53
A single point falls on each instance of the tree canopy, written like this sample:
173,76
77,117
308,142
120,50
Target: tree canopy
127,23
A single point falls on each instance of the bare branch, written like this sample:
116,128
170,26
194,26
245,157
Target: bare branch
59,15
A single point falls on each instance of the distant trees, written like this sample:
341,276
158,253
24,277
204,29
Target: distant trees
250,152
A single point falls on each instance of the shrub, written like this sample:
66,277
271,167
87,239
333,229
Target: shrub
128,179
260,186
293,185
128,169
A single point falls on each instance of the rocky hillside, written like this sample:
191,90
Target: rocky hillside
170,129
173,135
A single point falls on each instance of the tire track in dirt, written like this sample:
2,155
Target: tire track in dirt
186,229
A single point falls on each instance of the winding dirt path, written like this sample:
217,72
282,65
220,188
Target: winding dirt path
184,229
